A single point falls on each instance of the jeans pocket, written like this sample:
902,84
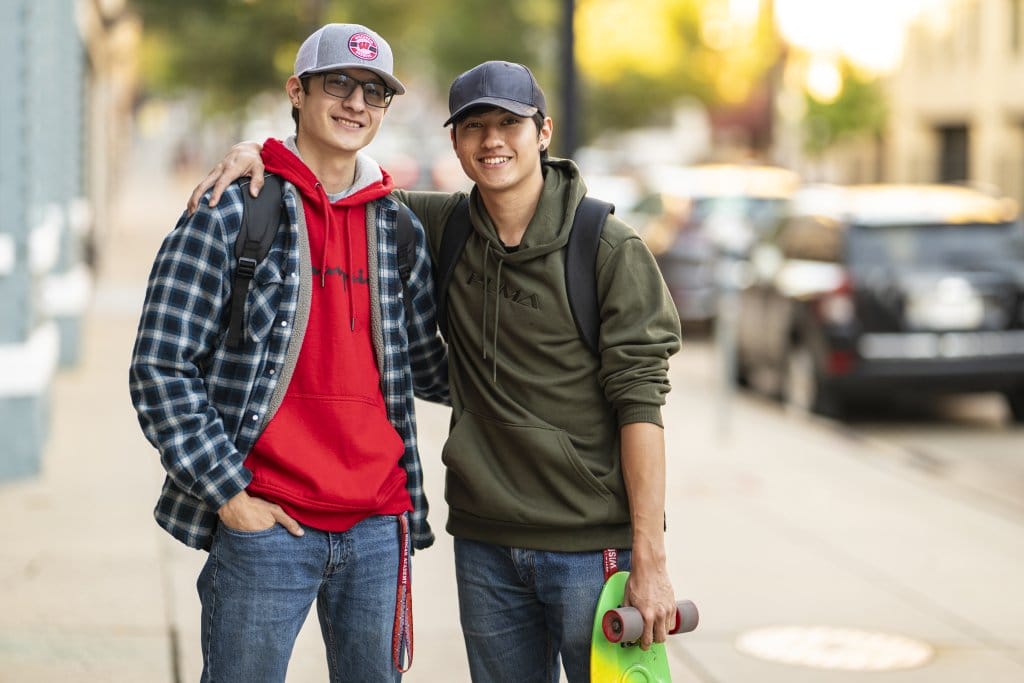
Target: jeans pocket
250,534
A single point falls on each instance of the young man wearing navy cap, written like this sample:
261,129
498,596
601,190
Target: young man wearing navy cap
291,452
556,458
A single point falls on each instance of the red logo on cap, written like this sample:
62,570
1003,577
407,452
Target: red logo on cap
363,46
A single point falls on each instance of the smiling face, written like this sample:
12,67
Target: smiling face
498,150
331,125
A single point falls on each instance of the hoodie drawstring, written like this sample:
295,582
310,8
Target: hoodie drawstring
497,311
328,228
483,312
348,279
327,233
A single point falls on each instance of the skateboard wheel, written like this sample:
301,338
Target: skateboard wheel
622,625
687,617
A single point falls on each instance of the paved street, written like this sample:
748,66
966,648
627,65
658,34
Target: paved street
813,556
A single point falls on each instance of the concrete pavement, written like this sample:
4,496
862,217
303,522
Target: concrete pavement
798,543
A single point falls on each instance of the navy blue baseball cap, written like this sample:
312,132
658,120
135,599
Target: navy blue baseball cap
506,85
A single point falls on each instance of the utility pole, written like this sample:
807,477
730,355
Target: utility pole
568,128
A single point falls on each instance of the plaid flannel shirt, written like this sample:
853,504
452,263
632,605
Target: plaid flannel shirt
203,405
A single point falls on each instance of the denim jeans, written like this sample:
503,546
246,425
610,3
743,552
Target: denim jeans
521,610
257,587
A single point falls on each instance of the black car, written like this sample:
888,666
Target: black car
867,290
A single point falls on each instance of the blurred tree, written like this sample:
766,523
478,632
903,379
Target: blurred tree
636,57
231,50
859,109
641,57
459,34
225,50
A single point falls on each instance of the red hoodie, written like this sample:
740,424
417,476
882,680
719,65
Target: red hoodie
329,456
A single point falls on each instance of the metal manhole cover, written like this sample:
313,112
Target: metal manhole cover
824,647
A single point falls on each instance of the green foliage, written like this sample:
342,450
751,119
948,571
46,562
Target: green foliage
860,109
229,51
463,33
224,50
656,62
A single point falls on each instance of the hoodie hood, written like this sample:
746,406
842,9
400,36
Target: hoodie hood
549,228
547,231
333,216
283,157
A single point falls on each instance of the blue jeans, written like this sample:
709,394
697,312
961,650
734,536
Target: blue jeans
257,587
521,609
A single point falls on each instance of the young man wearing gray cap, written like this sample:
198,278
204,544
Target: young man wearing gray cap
555,459
291,453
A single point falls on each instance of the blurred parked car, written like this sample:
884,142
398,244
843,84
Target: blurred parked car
622,191
699,214
865,290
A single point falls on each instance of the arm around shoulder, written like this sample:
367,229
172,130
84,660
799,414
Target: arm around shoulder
433,209
428,354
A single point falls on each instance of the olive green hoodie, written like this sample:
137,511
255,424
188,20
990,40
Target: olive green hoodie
533,453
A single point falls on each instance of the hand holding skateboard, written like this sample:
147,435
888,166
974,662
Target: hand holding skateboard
614,655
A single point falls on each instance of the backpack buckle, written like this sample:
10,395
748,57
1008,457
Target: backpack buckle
246,267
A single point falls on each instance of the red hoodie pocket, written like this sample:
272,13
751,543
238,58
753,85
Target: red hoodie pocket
328,453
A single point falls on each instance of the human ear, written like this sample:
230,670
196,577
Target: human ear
545,133
293,88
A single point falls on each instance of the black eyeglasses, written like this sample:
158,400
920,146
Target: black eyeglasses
342,86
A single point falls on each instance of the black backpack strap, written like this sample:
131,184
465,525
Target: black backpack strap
406,255
456,232
261,217
581,268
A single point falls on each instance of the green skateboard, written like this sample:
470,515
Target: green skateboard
614,655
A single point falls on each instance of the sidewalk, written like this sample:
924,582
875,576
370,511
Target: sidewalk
778,522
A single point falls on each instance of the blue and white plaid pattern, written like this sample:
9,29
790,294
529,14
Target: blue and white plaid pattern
203,405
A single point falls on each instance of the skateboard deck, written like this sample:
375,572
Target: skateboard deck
614,656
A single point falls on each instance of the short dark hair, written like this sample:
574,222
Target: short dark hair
538,121
295,110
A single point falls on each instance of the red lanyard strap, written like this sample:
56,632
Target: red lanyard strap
611,562
401,633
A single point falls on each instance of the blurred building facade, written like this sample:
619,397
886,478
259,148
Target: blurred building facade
66,79
956,105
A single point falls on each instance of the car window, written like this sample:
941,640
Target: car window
936,245
760,213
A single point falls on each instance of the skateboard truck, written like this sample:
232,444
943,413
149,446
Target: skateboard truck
625,625
613,659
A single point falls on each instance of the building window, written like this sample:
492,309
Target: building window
954,149
1015,28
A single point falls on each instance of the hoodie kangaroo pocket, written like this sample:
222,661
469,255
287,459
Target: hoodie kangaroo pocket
521,474
263,300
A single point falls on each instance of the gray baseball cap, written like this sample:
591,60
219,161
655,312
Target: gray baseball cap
506,85
334,47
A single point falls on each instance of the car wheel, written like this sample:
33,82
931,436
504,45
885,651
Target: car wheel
802,386
1015,401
